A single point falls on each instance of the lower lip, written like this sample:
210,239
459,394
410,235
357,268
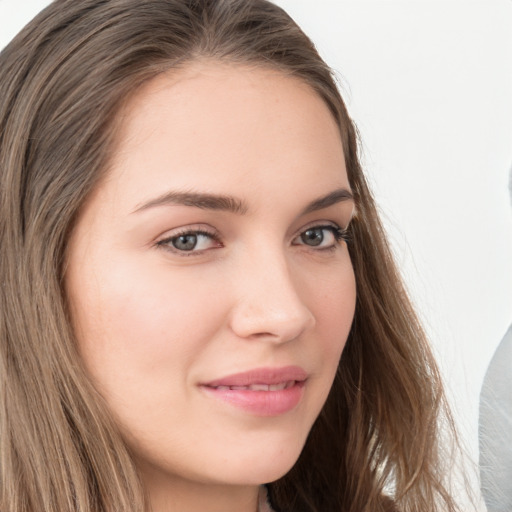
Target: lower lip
260,403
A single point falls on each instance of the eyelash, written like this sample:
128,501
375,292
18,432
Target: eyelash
340,235
166,243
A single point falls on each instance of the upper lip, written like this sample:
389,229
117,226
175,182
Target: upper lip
267,376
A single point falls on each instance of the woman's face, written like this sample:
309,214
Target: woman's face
210,285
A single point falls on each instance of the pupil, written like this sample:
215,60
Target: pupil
185,242
313,237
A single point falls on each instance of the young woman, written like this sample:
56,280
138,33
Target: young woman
199,308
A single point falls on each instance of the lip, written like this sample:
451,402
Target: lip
269,391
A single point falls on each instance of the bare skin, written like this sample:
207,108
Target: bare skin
174,287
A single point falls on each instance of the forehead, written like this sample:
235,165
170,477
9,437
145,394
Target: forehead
216,125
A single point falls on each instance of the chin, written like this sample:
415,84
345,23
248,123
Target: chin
265,464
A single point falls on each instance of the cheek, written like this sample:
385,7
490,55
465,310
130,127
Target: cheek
332,298
139,326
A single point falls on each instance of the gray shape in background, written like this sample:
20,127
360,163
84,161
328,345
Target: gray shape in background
495,425
495,429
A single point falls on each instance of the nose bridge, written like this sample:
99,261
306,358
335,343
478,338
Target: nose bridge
269,302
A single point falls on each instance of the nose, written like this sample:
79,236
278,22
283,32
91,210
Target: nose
269,304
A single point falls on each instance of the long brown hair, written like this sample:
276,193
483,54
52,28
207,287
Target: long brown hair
63,79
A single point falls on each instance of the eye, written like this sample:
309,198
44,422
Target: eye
190,241
321,237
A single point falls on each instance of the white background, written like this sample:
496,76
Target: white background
429,84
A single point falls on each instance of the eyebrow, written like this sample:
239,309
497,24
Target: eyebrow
334,197
233,205
197,200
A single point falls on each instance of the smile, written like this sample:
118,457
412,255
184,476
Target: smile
262,391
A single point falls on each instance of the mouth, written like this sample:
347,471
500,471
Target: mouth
260,392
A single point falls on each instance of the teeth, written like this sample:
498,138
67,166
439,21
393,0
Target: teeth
259,387
277,387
